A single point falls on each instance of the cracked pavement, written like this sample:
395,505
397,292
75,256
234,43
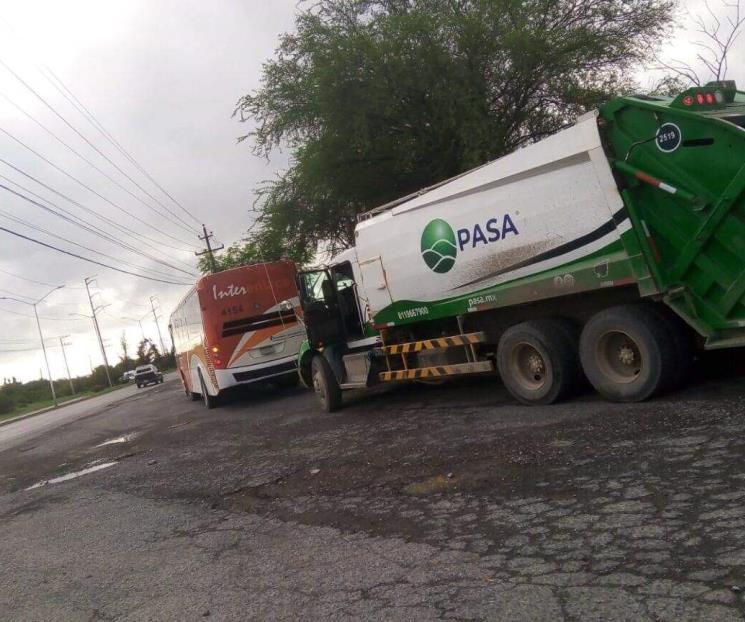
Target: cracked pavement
412,503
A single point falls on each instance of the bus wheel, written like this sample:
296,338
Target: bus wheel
325,385
209,401
627,353
538,361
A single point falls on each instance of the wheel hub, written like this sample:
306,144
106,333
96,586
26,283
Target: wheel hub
626,355
529,367
619,357
535,364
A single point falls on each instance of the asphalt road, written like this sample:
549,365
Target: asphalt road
15,432
413,503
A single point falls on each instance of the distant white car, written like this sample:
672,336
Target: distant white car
127,376
147,374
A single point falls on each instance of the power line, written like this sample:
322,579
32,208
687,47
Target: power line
59,237
23,278
119,227
77,153
7,291
104,132
183,224
79,222
30,225
93,261
84,185
64,239
36,349
41,317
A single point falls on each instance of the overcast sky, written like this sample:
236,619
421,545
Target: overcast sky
163,78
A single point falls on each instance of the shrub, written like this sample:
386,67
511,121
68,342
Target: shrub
6,404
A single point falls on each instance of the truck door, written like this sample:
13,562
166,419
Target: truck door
319,302
346,295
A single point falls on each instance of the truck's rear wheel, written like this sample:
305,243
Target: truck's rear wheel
682,343
538,361
325,384
627,353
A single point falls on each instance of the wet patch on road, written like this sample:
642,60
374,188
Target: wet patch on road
126,438
72,475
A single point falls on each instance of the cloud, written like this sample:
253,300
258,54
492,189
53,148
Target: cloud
163,78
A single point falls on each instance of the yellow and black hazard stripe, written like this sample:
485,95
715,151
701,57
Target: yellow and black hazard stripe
432,344
437,372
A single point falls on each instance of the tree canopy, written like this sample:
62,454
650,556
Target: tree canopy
379,98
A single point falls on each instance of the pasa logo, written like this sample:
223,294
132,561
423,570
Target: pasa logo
438,246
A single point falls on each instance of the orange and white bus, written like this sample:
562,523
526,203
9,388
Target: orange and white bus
237,327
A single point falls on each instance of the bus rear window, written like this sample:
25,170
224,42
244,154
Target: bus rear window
257,322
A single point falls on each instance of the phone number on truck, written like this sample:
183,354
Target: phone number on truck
408,314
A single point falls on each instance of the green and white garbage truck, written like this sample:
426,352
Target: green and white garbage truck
610,251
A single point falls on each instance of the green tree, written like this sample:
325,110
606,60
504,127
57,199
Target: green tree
143,352
376,99
258,246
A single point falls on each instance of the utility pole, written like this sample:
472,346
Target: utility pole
67,367
210,252
157,325
88,281
41,335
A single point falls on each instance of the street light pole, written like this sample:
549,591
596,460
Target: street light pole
41,334
67,367
46,359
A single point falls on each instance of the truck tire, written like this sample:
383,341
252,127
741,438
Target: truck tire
209,401
627,353
682,341
538,361
325,384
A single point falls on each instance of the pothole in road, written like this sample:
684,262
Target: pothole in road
73,475
126,438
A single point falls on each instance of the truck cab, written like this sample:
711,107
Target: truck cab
336,322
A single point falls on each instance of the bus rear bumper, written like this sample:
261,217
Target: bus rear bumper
254,373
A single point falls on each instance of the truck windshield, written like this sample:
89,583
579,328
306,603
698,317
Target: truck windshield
312,285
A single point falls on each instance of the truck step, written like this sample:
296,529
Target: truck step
437,372
432,344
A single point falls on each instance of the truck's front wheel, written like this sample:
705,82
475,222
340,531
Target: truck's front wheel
627,353
538,361
325,385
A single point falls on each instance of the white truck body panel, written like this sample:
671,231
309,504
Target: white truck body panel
543,206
